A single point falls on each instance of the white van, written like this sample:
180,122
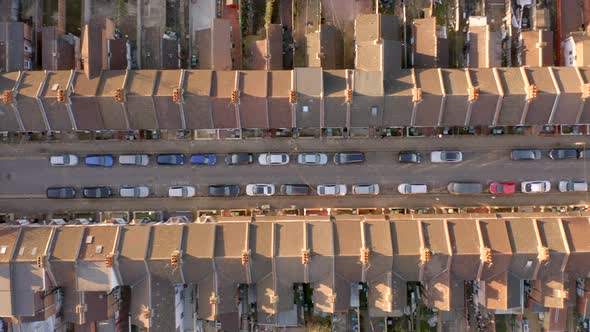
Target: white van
412,188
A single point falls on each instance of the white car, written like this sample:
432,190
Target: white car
532,187
260,189
181,191
331,189
412,188
140,191
568,185
446,156
273,159
134,159
312,158
365,189
64,160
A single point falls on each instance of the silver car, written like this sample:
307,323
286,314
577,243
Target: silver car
273,159
465,187
181,191
568,185
365,189
534,187
446,156
331,189
134,159
137,192
260,189
64,160
312,158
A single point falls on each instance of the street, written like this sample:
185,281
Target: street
24,179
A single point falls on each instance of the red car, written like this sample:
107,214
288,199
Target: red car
502,187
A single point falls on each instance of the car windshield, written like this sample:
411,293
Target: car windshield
259,189
363,189
500,187
310,158
450,155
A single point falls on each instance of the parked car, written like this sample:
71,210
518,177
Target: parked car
204,159
295,189
502,187
99,160
349,157
568,185
312,158
134,159
171,159
331,189
139,191
63,160
224,190
525,154
409,157
97,192
260,189
365,189
181,191
564,154
61,192
241,158
446,156
531,187
273,159
465,187
412,188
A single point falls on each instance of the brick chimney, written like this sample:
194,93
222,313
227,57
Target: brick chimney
61,15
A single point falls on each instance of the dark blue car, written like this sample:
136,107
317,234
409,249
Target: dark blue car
99,160
203,159
171,159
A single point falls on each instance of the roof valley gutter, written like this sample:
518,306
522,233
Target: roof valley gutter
584,92
123,104
181,101
528,101
482,245
470,87
500,97
47,261
539,246
557,97
14,102
566,244
444,96
68,103
115,252
40,102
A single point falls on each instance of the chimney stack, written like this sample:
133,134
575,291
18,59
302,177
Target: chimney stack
61,15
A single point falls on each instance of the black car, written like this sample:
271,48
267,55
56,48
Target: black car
295,189
349,157
409,157
224,190
97,192
532,154
61,192
241,158
170,159
564,154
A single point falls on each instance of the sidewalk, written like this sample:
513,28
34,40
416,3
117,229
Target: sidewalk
465,143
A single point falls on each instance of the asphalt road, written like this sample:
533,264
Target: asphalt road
23,181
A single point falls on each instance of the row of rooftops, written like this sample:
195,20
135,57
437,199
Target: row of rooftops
299,98
273,253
